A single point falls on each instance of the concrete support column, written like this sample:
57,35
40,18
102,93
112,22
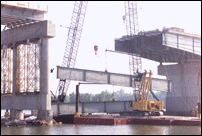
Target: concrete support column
12,114
58,108
183,95
16,114
34,112
13,111
44,100
14,67
20,114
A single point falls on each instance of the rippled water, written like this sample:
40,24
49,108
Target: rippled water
68,129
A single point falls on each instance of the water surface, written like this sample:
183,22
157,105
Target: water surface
68,129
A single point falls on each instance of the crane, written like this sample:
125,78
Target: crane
74,35
132,28
142,104
72,44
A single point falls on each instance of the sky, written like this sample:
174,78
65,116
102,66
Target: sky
103,23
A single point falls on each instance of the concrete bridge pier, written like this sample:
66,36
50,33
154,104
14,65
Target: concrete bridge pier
44,110
42,101
28,89
34,112
184,89
16,114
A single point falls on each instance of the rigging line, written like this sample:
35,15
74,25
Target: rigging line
106,60
100,61
88,67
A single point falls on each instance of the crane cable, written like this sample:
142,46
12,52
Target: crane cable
106,59
98,59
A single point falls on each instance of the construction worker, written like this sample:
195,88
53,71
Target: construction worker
193,113
124,18
196,113
150,114
7,113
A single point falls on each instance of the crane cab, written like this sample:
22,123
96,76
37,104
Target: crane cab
147,105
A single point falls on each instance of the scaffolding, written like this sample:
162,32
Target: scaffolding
27,73
6,70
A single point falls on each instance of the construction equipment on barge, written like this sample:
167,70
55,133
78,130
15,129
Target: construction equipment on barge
141,105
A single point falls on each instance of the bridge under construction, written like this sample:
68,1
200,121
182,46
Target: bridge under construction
25,83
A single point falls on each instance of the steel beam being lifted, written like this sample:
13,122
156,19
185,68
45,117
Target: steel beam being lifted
107,78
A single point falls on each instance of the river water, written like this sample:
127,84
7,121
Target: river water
68,129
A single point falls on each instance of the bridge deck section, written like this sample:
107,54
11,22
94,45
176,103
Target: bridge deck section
15,14
170,45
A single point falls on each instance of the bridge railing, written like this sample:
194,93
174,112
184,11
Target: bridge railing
183,41
26,4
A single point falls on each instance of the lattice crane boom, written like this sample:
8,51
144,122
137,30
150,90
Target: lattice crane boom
72,44
74,35
131,17
132,28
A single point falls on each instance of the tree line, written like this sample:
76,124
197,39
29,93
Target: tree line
103,96
109,96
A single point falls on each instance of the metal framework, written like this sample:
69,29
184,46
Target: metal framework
132,28
145,86
6,70
135,63
135,67
27,73
131,17
72,44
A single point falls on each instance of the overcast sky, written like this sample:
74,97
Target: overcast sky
103,23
